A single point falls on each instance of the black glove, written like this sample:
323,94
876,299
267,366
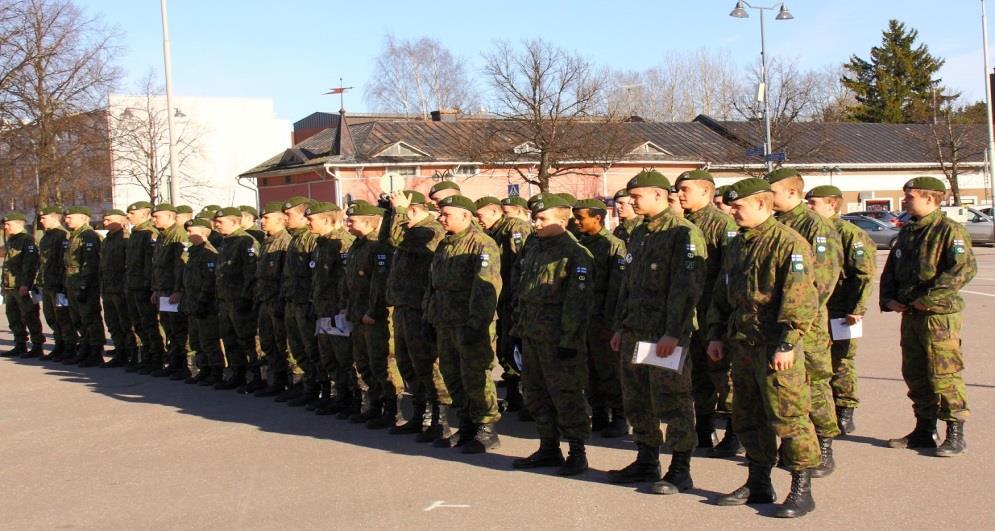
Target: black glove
82,294
563,353
244,305
279,308
428,332
309,313
472,336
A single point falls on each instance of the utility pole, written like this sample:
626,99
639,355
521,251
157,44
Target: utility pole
174,192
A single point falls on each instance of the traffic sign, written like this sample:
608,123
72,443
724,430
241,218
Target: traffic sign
512,190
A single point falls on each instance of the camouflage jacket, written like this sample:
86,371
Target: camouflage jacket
113,261
624,229
168,260
719,229
257,235
608,253
81,256
766,292
413,246
269,272
330,256
296,286
140,249
465,281
510,235
857,279
930,263
200,279
365,279
20,263
663,280
51,270
237,264
554,297
825,242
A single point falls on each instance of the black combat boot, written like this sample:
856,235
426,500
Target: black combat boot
576,462
547,455
82,353
844,417
728,447
20,347
828,463
137,356
646,467
277,386
618,427
415,425
599,418
354,406
388,416
94,357
758,488
213,376
56,352
467,430
257,383
37,351
678,476
324,396
375,410
955,444
311,392
294,391
799,501
706,433
119,358
199,377
180,370
150,364
438,426
922,436
67,354
513,395
337,403
236,380
486,438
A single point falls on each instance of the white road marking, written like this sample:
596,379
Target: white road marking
442,504
977,293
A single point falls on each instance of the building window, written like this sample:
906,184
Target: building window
468,169
408,171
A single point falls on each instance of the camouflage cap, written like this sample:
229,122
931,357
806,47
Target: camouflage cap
184,209
249,209
273,207
745,188
416,197
782,173
227,212
550,201
458,201
925,183
15,216
198,222
515,200
295,201
138,205
621,193
360,209
50,210
591,203
487,200
648,179
164,207
79,209
114,212
321,208
443,185
694,175
826,190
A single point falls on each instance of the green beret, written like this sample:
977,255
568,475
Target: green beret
297,200
361,209
199,222
720,190
212,208
745,188
536,198
321,208
227,211
926,183
621,193
591,203
164,207
673,190
184,209
431,207
782,173
568,197
114,212
273,207
417,198
694,175
15,216
550,201
80,210
487,200
359,202
138,205
249,209
458,201
515,200
648,179
50,210
826,190
443,185
206,213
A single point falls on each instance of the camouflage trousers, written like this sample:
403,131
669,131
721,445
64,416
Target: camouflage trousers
86,318
604,372
651,395
238,332
22,317
272,337
554,391
375,363
56,316
337,363
711,381
146,323
417,358
770,404
932,363
819,365
205,339
504,348
844,381
174,324
301,339
118,320
466,368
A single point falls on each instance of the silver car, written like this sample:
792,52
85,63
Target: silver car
980,227
883,234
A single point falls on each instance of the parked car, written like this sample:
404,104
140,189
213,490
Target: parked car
881,215
883,234
980,227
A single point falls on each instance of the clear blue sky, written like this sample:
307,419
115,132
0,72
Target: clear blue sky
293,50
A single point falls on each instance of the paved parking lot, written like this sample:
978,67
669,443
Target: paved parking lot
100,448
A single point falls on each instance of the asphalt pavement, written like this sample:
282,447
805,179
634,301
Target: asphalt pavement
104,449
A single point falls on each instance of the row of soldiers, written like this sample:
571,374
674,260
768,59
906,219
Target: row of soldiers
743,278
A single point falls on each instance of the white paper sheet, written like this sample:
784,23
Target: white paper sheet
334,326
645,354
61,301
36,296
841,330
166,306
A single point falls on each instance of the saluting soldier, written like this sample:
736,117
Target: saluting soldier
20,266
208,213
82,260
51,273
236,277
200,303
113,262
142,305
269,299
167,282
628,220
929,265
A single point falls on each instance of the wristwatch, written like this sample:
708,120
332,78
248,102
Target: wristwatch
785,347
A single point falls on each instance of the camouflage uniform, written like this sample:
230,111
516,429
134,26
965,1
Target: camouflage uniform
296,290
662,284
20,266
850,298
167,278
766,296
510,234
623,230
236,277
269,300
200,305
50,279
826,243
604,365
931,262
463,294
551,317
330,256
140,248
81,257
112,292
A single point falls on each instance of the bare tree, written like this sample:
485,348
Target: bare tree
950,140
417,77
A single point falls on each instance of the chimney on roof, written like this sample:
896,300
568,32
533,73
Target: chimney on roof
445,115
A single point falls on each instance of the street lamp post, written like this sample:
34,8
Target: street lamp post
783,14
174,193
